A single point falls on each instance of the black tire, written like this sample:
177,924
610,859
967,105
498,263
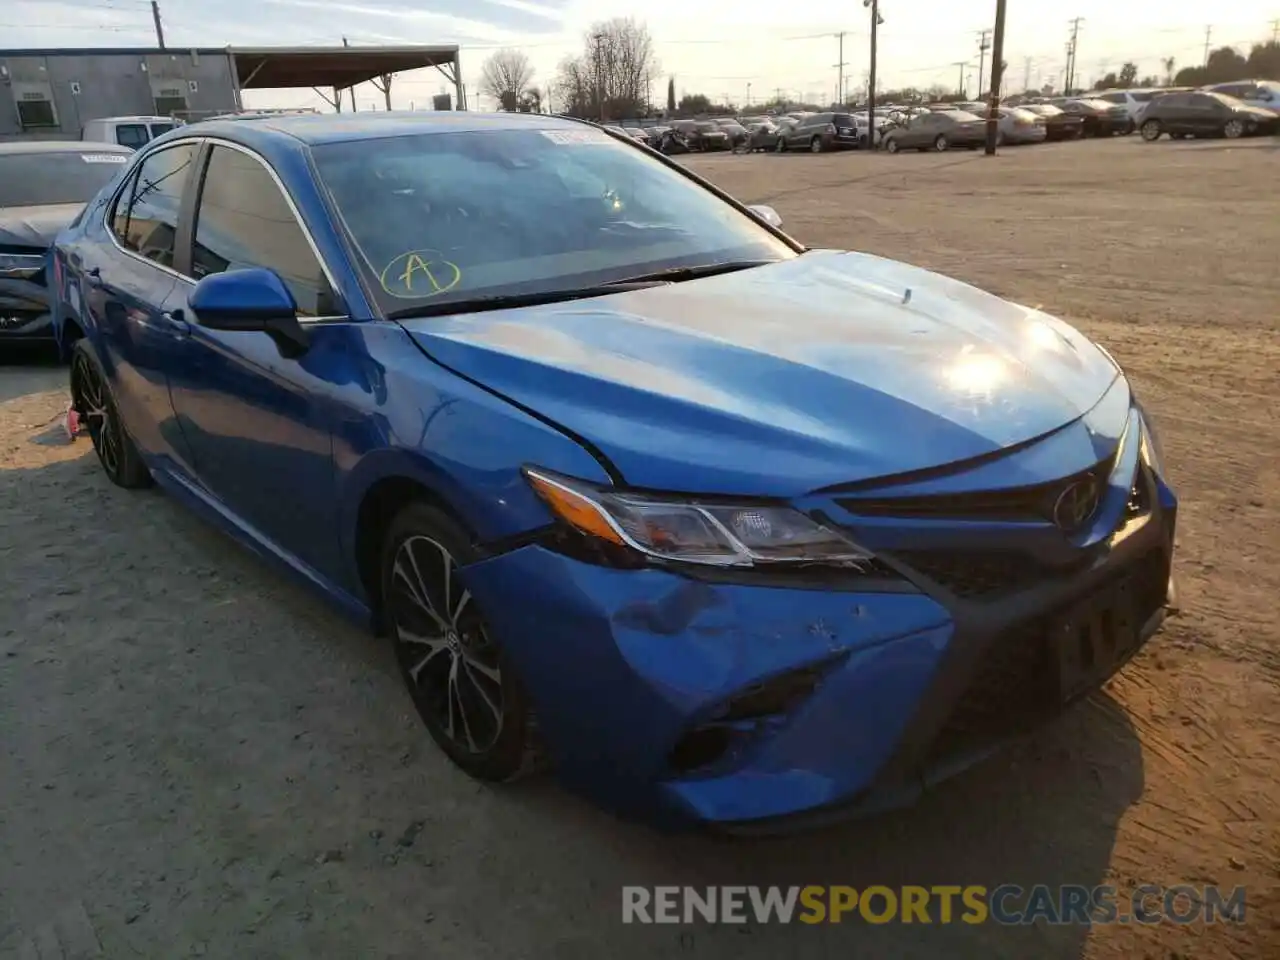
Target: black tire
1150,131
940,143
456,674
780,146
815,145
1233,129
891,145
91,396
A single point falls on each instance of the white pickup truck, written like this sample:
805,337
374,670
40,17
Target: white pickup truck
132,132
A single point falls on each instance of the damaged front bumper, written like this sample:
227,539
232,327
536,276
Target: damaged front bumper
25,306
758,709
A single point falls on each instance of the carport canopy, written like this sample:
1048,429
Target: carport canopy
335,67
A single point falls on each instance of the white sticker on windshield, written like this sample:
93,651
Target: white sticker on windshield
576,137
103,157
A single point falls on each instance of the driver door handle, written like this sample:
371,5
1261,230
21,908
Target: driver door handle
177,322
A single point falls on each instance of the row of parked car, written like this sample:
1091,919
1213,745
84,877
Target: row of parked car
1232,110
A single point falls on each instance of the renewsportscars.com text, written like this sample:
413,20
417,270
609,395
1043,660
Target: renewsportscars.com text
972,904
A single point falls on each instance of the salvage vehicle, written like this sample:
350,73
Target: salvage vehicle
43,185
725,530
938,130
1187,115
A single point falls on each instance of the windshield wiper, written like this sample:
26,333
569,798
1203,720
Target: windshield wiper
676,274
513,301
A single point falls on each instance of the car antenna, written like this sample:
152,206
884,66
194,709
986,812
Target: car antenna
906,297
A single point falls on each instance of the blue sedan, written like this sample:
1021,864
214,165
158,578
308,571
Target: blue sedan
725,530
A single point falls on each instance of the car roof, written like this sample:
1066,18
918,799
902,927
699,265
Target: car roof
342,127
137,119
61,146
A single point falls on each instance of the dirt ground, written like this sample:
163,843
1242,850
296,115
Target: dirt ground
197,759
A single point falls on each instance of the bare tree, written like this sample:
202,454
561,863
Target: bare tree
505,76
610,78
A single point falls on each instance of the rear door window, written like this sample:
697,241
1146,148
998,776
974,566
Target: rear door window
146,214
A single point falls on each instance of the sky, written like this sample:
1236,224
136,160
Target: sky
735,50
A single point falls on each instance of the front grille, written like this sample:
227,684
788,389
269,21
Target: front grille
1015,504
972,574
1017,684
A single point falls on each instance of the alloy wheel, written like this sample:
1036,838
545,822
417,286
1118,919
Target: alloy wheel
443,647
89,395
1233,129
815,145
1150,131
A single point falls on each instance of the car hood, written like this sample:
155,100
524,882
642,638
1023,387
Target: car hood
778,380
35,226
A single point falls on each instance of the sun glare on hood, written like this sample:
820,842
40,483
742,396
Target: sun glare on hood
976,374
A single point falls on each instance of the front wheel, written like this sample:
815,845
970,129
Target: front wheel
815,145
891,145
1233,129
941,143
1150,131
461,682
780,145
92,399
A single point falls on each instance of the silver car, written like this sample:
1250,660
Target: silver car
1020,126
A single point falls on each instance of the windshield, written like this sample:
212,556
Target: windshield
453,216
34,179
960,116
707,127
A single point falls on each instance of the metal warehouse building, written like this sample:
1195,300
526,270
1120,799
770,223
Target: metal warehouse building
51,93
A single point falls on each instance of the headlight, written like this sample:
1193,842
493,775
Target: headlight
1152,449
690,531
21,266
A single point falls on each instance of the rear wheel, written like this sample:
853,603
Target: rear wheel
941,143
1233,129
780,145
891,145
92,399
1151,131
461,682
815,145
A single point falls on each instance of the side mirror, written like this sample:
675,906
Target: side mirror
767,214
253,299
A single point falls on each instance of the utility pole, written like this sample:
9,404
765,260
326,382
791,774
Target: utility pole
1275,30
748,93
876,20
1208,38
1026,74
984,44
599,38
997,76
961,64
840,65
155,15
1071,53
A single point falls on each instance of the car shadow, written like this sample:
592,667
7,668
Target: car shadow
236,700
28,368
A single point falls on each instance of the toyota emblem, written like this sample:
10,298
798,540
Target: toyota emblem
1076,504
